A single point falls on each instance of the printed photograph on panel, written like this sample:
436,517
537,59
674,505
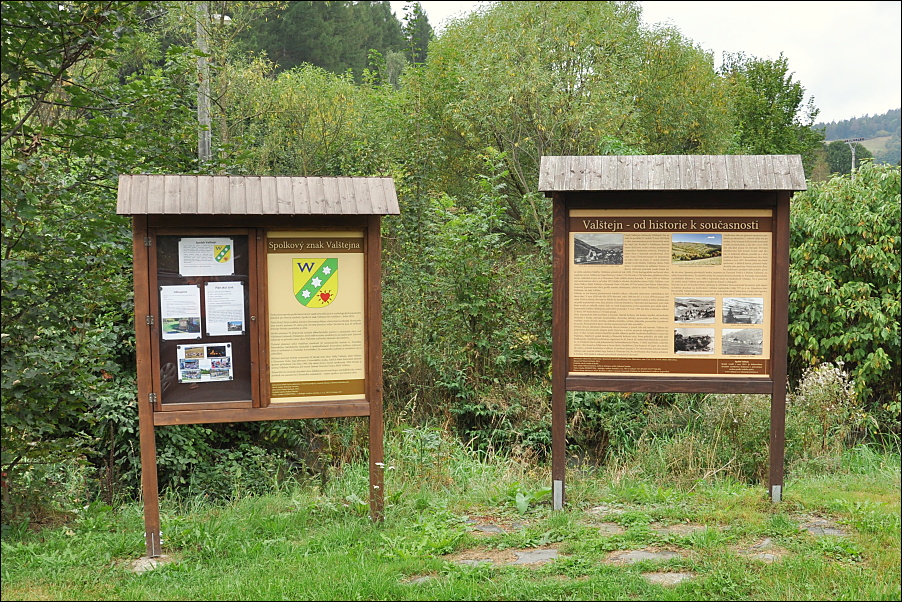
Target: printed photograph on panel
694,310
598,249
693,341
689,248
743,310
742,341
216,351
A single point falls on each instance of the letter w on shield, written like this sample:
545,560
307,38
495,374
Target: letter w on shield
315,281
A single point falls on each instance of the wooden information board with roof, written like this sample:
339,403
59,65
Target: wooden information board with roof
256,298
671,274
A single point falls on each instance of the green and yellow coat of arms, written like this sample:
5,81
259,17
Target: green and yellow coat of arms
315,281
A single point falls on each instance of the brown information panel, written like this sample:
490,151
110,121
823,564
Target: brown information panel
670,292
315,282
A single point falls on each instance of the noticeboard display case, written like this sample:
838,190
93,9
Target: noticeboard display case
256,298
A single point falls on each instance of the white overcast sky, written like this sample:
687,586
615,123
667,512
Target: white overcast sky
845,54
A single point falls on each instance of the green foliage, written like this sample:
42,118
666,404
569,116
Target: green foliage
67,336
839,156
563,76
840,548
844,283
827,413
604,426
302,122
334,36
682,105
523,498
697,438
867,126
694,438
770,117
465,276
42,43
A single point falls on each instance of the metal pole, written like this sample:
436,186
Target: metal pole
204,152
851,142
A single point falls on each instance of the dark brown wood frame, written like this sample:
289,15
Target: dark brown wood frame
775,384
144,231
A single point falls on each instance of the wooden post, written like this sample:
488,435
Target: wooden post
374,364
780,345
559,353
144,329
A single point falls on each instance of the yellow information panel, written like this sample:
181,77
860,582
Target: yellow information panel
670,292
316,315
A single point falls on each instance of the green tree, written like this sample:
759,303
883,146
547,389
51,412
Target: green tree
301,122
528,79
417,33
69,127
335,36
839,156
770,114
560,78
845,281
681,103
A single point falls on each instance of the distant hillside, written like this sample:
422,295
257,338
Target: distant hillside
880,133
862,127
691,251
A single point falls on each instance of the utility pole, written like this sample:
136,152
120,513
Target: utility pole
204,150
851,142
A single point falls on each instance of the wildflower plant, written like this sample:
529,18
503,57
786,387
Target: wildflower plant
826,409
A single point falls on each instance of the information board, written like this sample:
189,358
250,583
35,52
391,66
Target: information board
670,292
315,284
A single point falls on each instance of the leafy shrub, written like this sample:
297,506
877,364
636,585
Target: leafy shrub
844,300
825,412
467,320
605,425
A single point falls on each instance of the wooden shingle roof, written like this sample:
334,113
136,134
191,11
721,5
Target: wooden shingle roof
672,172
255,195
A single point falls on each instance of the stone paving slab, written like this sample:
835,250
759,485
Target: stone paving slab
667,579
534,556
529,557
820,527
481,525
632,556
678,529
610,529
606,509
764,550
489,529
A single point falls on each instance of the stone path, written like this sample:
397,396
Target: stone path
764,550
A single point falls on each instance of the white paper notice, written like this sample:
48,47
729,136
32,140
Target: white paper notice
225,308
180,311
206,256
205,363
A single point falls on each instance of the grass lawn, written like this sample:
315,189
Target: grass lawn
475,528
